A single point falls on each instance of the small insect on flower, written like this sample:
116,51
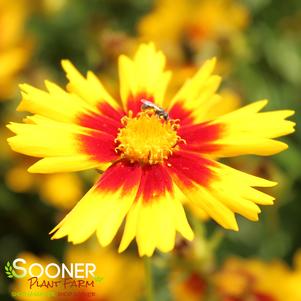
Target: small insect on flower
158,110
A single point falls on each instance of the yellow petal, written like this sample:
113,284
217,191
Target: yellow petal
154,224
247,131
156,215
218,190
240,198
42,141
198,95
60,144
143,75
89,89
54,103
66,164
103,208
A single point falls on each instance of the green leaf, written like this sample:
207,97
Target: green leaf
8,270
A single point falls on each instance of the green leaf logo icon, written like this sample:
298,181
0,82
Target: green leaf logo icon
9,270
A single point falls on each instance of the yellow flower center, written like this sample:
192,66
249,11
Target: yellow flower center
147,138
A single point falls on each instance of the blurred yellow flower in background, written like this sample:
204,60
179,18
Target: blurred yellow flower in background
123,275
14,45
253,279
164,26
18,179
216,19
188,286
205,27
60,190
242,279
293,282
238,279
51,6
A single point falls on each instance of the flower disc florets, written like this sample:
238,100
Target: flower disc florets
147,138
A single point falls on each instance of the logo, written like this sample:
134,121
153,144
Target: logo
53,275
9,271
20,269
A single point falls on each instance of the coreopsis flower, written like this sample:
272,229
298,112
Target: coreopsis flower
254,279
217,19
190,286
156,153
204,20
238,280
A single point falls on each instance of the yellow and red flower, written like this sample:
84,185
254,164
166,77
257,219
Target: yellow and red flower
253,279
151,163
205,27
188,286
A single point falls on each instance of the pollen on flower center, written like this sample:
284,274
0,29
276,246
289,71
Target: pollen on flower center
147,138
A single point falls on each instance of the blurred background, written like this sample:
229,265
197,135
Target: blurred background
258,46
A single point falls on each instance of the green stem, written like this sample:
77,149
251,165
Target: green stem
149,279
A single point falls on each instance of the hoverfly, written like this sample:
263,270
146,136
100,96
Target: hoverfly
158,110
